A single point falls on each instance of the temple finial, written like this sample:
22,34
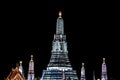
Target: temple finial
31,57
20,62
60,14
104,60
82,64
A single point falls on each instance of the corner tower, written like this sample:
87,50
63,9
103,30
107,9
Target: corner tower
31,69
83,72
104,71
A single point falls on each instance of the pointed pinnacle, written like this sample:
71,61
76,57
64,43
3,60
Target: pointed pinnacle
60,14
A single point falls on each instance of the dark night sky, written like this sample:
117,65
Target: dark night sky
91,29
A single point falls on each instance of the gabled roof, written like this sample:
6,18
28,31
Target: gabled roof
15,73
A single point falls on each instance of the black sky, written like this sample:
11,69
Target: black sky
91,28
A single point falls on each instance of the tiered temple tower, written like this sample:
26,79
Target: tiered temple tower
31,75
83,72
59,61
104,71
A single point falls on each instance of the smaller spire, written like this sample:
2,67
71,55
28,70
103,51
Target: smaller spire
31,57
60,14
31,69
20,62
21,68
82,64
103,60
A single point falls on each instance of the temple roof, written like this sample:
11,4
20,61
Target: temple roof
15,73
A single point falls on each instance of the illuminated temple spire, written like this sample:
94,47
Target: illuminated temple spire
31,69
83,72
21,68
59,60
60,14
104,71
60,24
59,57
